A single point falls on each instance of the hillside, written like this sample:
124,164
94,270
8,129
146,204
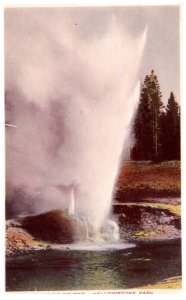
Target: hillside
141,180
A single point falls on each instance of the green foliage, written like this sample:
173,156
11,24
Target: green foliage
157,133
146,125
170,133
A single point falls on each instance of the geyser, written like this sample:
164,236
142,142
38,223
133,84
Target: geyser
71,91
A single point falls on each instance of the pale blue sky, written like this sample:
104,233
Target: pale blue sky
162,45
162,52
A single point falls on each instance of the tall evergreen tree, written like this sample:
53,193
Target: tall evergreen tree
171,130
147,122
155,95
143,129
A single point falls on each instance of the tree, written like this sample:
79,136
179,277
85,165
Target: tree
147,122
170,137
143,129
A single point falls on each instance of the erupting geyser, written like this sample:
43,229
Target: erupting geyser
71,91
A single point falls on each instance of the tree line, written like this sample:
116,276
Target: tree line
156,127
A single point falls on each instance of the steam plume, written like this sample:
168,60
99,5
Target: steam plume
71,93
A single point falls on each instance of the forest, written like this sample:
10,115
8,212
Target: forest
156,127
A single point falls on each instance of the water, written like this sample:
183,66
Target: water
57,270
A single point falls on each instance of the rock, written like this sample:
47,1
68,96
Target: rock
146,222
54,227
18,240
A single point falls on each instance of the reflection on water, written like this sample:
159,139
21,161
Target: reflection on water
85,270
103,273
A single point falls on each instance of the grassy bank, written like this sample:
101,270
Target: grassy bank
169,283
139,181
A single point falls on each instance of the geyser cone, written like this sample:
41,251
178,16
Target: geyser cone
54,227
58,227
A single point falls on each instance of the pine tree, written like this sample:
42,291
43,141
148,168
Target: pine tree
147,122
143,129
163,136
171,130
153,88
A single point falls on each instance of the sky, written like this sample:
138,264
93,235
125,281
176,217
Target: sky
162,48
162,44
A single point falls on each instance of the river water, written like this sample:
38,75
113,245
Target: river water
58,270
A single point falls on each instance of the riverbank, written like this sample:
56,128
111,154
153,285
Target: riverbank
19,241
168,283
146,221
147,200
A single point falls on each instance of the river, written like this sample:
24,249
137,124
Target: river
58,270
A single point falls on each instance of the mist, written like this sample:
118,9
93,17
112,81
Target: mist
72,87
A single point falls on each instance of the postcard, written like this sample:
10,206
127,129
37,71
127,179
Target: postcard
92,137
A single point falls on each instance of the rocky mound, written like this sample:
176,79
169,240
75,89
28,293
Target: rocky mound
54,227
39,231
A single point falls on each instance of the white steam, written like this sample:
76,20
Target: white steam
72,98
